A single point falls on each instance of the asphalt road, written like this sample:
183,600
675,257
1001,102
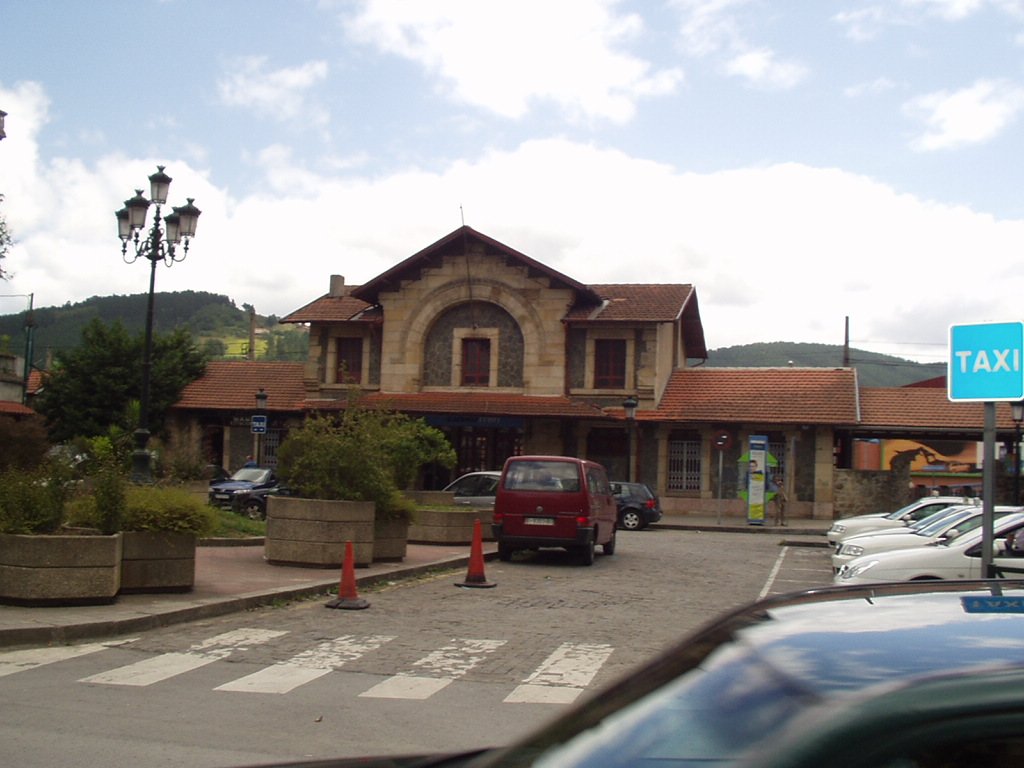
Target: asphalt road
428,666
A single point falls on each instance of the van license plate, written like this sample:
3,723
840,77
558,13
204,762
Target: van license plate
540,521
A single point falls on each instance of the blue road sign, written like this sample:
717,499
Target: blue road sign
258,425
985,362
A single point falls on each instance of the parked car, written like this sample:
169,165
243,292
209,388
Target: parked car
959,558
475,489
942,526
246,491
924,675
638,505
916,510
554,501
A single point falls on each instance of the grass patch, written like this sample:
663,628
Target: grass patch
228,524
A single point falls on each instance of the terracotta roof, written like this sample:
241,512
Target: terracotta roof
766,395
906,408
635,302
480,403
231,385
331,309
455,242
9,408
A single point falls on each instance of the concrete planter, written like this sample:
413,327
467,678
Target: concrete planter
449,526
60,569
313,532
158,561
390,540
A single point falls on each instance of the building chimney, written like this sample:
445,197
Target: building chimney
338,286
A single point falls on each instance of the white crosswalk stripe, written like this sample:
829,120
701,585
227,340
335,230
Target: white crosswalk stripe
168,665
559,679
306,666
19,661
439,669
563,676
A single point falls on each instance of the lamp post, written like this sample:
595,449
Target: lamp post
629,406
1017,411
158,245
261,406
2,116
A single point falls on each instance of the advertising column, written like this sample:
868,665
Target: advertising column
755,479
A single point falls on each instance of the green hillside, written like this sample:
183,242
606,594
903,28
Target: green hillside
218,326
873,369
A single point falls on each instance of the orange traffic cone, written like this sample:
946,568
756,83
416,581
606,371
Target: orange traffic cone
475,575
347,598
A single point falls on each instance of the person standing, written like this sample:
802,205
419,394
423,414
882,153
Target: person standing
780,499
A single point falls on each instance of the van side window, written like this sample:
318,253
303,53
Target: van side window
598,481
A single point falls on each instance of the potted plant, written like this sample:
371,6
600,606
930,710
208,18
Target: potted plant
345,473
43,561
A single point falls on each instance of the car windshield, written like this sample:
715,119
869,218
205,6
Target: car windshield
542,476
251,475
901,511
942,521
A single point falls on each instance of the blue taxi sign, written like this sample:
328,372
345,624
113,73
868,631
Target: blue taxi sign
986,362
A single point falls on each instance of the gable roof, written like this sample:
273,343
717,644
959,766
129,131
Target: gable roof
11,408
456,243
231,385
334,309
760,395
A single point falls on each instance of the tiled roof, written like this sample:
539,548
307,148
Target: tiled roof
9,408
479,403
231,385
904,408
765,395
634,302
330,309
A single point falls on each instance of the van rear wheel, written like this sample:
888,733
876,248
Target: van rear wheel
504,552
608,547
587,552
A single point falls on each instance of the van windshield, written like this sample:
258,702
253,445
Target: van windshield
542,476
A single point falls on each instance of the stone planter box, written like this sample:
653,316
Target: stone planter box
60,569
449,526
158,561
390,540
313,532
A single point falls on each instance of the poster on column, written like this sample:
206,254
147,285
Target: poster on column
756,479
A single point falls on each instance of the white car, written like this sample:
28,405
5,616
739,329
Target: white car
946,525
916,510
956,559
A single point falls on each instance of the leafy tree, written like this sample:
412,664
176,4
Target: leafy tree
92,386
6,241
25,442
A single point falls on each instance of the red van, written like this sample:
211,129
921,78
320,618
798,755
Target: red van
554,501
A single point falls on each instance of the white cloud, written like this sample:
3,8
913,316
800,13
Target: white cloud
968,116
281,94
477,50
762,69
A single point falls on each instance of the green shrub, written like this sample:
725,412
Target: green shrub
152,508
33,501
362,455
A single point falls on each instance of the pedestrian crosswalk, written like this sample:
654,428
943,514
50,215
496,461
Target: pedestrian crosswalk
559,679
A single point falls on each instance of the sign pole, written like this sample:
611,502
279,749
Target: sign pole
988,491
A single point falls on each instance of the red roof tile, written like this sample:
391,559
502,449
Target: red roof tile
9,408
330,309
634,302
925,408
231,385
766,395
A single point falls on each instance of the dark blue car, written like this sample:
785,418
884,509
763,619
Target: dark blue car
246,491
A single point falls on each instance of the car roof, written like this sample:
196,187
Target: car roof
838,646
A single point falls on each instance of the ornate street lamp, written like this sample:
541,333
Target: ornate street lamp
158,245
1017,411
629,406
2,116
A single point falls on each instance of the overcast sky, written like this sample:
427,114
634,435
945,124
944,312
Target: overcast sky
798,162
